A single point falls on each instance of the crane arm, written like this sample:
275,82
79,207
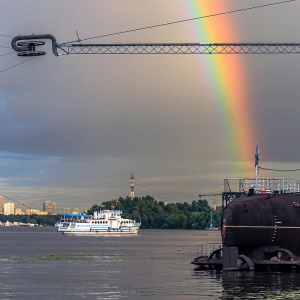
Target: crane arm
181,48
26,46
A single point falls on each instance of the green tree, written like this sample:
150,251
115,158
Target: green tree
153,214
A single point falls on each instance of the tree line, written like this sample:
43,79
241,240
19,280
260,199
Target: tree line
160,215
151,213
44,220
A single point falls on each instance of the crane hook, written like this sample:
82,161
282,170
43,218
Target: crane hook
25,44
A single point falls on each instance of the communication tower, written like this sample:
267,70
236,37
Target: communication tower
132,187
214,204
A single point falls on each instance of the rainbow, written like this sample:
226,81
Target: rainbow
228,83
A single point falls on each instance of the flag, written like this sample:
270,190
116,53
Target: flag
256,156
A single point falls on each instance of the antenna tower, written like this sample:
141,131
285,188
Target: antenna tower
132,187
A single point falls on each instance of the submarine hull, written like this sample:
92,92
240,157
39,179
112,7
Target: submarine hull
262,220
258,231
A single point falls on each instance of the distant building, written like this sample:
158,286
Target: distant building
75,210
33,211
9,208
50,207
67,210
42,213
19,211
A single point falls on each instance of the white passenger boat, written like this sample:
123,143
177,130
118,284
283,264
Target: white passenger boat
108,222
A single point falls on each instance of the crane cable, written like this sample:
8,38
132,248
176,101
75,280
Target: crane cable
151,27
278,170
179,21
23,62
15,201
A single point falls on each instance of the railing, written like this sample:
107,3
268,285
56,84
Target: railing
262,185
207,249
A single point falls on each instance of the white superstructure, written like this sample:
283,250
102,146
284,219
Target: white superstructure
101,222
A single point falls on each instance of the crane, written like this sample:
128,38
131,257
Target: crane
25,45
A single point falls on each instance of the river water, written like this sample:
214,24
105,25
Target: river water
40,263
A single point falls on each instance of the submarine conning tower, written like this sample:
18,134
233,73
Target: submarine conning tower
260,225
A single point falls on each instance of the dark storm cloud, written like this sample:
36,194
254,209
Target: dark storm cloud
78,117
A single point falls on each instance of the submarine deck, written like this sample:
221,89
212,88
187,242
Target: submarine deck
204,263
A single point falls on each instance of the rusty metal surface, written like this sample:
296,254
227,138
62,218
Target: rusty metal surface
263,220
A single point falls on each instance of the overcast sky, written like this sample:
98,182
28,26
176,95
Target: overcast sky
73,128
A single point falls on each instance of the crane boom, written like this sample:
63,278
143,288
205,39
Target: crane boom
26,46
181,48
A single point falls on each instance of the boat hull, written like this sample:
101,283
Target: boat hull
89,230
132,232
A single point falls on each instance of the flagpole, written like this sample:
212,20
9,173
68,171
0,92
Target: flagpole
256,162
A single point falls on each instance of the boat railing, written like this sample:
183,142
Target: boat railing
262,185
207,249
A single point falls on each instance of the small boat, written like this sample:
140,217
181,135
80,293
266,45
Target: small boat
106,222
7,223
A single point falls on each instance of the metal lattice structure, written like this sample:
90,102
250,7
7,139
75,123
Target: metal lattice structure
26,46
182,48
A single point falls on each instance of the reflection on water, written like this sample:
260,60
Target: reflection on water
252,284
261,285
40,263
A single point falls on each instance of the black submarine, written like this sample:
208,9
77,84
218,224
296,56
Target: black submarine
260,226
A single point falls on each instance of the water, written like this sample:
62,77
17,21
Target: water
40,263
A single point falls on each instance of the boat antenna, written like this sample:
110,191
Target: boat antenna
256,161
